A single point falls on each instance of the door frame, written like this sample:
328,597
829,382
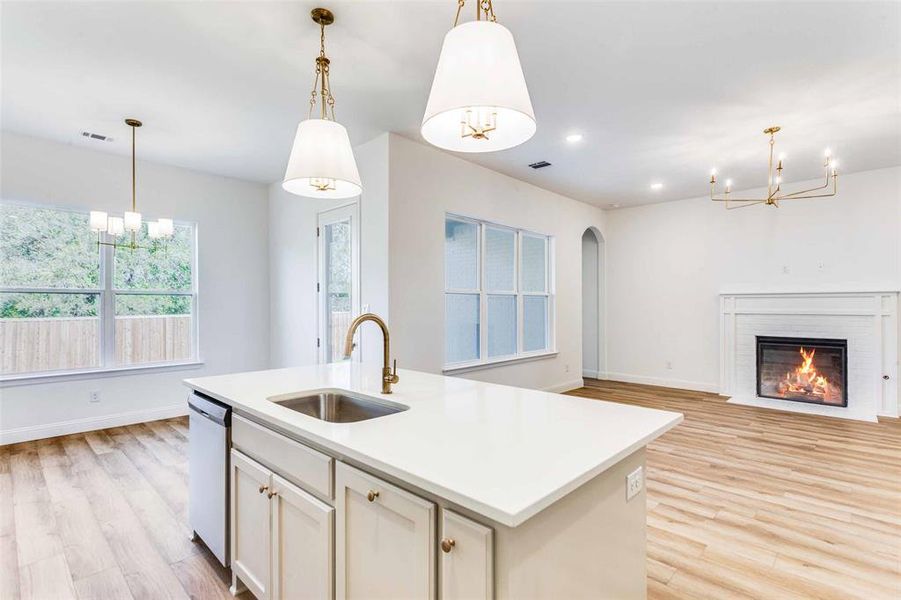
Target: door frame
349,211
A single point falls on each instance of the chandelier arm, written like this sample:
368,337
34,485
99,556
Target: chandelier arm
815,189
745,205
727,199
829,195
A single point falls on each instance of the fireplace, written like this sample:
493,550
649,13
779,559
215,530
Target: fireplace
810,370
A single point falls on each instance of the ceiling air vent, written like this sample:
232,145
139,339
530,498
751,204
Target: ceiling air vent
96,136
540,164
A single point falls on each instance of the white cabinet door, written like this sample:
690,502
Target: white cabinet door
384,539
301,543
466,565
250,524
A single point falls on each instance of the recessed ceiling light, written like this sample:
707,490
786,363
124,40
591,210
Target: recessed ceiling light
574,137
656,186
613,206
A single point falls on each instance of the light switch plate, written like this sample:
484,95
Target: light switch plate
634,483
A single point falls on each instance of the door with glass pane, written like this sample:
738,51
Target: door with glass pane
338,284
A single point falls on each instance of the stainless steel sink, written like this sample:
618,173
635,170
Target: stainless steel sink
338,407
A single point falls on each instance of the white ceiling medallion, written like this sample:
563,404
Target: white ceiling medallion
322,163
479,100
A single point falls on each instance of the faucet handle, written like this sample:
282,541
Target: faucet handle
394,377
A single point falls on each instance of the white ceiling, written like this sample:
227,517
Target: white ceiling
661,91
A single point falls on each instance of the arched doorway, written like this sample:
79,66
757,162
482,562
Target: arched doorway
593,344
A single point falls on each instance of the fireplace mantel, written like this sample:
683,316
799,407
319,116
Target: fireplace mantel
868,320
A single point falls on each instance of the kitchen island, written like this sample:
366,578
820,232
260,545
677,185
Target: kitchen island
469,490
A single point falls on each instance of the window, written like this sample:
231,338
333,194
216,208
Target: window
68,305
498,293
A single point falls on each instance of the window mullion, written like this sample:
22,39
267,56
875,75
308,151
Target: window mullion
517,289
483,297
108,308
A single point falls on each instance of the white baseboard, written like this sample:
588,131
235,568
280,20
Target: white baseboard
48,430
594,374
565,386
682,384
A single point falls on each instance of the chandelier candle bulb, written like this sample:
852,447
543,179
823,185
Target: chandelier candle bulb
98,220
153,229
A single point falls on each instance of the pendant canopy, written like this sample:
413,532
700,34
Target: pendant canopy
322,163
479,100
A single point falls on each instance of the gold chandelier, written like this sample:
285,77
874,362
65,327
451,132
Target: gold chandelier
774,193
115,227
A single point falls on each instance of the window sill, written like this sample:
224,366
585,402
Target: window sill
498,362
59,376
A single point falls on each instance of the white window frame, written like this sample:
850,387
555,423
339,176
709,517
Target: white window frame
107,313
482,291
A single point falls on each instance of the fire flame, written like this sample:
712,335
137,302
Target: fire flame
804,379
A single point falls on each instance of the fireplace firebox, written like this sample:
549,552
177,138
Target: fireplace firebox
811,370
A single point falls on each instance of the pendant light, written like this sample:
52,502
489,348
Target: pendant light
130,221
479,100
322,161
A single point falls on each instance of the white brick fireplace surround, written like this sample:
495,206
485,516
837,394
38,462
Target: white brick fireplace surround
867,320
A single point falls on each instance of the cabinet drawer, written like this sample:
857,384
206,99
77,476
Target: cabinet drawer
466,566
309,468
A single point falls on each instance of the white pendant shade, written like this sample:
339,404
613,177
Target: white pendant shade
132,221
166,227
322,162
98,220
115,226
478,71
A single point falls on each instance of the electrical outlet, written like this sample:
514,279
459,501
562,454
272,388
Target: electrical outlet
669,365
95,396
566,368
634,483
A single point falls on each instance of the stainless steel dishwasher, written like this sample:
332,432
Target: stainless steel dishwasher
208,442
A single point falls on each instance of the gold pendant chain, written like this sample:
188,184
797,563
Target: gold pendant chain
321,83
482,6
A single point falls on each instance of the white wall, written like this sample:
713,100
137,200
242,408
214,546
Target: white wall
231,217
425,184
591,308
667,263
293,260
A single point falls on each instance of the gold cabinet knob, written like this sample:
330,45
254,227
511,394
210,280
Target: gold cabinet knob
447,544
372,495
271,494
263,488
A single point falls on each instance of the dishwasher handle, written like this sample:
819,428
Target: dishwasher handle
210,409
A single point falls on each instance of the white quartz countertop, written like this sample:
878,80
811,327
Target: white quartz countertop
503,452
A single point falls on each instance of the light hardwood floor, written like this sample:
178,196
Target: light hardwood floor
742,502
753,503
